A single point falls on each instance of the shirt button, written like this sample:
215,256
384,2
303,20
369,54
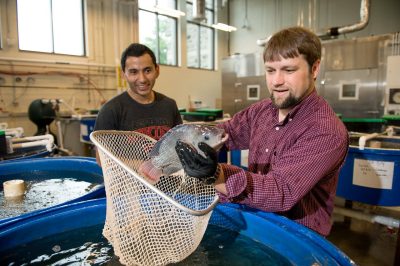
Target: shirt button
290,119
266,150
277,128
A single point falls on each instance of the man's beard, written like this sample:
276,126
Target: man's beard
289,102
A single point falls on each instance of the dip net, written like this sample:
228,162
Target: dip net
149,224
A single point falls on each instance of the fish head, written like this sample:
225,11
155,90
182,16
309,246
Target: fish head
211,135
163,155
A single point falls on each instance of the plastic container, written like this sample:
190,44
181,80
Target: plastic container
86,127
198,116
366,125
392,120
85,168
239,158
295,242
217,112
372,175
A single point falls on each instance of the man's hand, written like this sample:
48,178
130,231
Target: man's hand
195,164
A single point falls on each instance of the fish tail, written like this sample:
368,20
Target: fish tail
150,172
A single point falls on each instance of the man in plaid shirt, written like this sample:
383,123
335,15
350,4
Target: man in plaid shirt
296,143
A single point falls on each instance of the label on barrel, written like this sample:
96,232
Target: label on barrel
84,130
373,174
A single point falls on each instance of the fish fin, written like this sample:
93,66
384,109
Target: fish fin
150,172
155,151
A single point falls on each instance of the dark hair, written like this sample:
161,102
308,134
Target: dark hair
136,50
292,42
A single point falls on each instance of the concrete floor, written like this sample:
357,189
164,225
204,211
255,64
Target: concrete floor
366,243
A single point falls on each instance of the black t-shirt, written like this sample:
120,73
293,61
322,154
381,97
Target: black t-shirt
125,114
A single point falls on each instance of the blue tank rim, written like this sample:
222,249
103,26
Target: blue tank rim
51,163
319,247
319,243
88,165
378,151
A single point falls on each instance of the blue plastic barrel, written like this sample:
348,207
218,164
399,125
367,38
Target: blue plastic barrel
85,168
371,176
86,127
295,242
236,158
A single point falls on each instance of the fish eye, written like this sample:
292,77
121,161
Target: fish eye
206,137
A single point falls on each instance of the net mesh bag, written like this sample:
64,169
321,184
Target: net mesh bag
149,224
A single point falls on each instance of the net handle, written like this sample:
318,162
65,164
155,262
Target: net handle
144,181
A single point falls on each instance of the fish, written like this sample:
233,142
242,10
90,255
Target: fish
164,160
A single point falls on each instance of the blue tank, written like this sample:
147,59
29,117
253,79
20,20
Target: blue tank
288,242
371,175
50,181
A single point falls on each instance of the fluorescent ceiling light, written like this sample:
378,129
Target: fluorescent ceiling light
168,11
224,27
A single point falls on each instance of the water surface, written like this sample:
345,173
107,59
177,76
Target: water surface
45,189
87,246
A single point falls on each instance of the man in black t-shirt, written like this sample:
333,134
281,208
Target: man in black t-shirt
139,108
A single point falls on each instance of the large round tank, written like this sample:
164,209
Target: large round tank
291,243
50,181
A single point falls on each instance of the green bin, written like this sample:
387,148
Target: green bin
365,125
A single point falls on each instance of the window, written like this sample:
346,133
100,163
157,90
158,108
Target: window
159,31
253,92
394,95
348,91
200,37
51,26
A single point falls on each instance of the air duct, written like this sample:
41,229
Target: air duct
199,10
364,18
335,31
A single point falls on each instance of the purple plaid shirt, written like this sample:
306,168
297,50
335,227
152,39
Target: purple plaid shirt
293,165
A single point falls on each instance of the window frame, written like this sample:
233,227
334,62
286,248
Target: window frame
53,52
208,26
158,15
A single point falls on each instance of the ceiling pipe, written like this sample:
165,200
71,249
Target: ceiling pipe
364,18
335,31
